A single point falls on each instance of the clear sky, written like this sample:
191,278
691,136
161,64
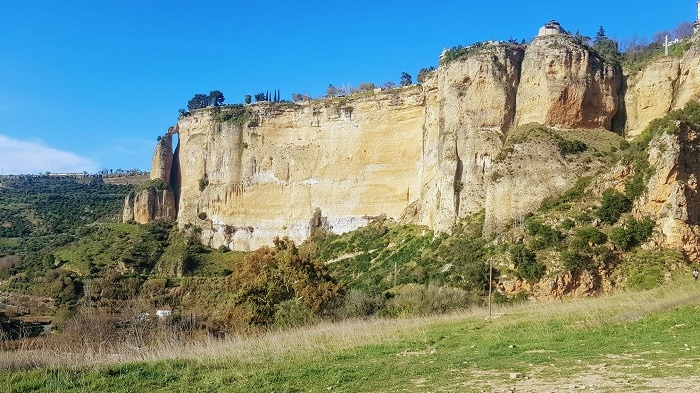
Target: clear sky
90,84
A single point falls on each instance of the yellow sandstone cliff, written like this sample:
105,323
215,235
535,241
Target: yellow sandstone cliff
427,153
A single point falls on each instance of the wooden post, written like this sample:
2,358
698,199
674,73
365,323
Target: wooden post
490,280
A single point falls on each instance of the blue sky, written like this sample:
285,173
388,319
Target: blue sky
87,85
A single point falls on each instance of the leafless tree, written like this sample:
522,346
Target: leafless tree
683,30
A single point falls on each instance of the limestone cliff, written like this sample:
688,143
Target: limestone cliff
475,106
565,85
162,163
156,200
666,84
650,94
428,153
672,197
264,173
150,204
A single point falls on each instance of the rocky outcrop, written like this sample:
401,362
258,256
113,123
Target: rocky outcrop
510,193
566,86
475,110
672,196
560,285
162,162
650,94
149,205
664,85
155,201
688,86
128,211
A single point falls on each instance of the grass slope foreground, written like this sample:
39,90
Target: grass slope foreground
629,342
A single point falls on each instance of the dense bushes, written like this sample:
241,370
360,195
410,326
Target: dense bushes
632,233
526,263
269,280
153,184
545,236
613,204
644,269
571,146
41,214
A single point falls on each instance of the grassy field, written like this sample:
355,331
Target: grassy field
644,341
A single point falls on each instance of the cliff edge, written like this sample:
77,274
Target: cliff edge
431,154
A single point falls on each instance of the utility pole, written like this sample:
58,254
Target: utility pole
490,283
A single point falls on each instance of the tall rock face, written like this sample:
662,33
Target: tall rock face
688,86
672,194
154,202
650,93
666,84
264,171
475,108
429,154
566,86
162,162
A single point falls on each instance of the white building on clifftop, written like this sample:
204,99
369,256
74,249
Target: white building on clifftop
551,28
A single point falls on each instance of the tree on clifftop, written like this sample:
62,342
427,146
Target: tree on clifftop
406,79
606,47
423,74
197,102
216,98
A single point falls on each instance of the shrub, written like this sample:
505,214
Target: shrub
571,146
546,236
155,184
237,114
423,73
426,300
613,204
526,263
572,195
291,313
271,276
203,183
632,233
567,224
576,261
645,269
591,235
223,248
357,303
468,255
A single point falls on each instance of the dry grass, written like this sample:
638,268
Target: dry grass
331,338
